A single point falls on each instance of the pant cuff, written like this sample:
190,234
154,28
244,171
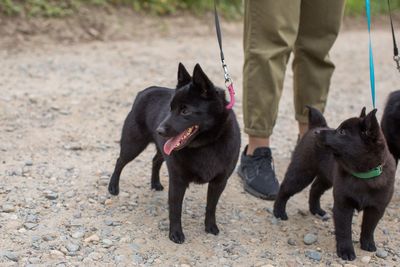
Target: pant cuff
258,133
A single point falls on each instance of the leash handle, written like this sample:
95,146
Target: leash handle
371,56
227,77
396,57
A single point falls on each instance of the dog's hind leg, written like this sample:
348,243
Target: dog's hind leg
133,142
318,187
155,172
294,182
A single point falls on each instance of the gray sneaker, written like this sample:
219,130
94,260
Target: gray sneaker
258,173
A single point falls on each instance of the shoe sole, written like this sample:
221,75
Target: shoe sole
251,191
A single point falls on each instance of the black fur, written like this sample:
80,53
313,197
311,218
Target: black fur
209,156
327,157
391,124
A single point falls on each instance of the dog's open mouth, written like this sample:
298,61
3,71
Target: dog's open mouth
181,140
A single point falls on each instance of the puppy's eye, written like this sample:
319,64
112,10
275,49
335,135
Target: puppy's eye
342,132
185,111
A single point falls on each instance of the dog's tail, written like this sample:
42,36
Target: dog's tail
315,118
389,123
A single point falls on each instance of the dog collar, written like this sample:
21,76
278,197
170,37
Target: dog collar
375,172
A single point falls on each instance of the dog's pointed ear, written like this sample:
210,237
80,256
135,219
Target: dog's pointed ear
363,113
202,83
315,118
183,76
370,125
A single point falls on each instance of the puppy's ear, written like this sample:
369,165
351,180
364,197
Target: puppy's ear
315,118
202,83
370,125
363,113
183,76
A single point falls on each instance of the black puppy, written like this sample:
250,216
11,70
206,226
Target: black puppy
391,124
355,160
194,133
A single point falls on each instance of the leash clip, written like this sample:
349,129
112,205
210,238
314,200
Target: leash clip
228,79
397,60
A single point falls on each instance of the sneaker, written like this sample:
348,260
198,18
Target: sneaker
258,173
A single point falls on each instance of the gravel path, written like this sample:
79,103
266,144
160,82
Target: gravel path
61,113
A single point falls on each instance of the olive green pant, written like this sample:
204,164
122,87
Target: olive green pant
272,30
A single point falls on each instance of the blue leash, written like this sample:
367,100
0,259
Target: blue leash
371,56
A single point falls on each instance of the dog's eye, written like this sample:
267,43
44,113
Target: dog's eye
185,111
342,132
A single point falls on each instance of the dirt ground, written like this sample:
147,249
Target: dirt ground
62,106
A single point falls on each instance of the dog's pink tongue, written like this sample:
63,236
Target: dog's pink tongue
171,143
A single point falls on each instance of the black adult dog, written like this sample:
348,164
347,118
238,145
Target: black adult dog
391,124
355,160
194,133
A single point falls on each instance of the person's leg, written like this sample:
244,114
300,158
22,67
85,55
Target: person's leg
270,30
312,68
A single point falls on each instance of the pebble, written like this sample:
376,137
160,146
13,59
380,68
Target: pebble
366,259
78,234
291,242
50,195
30,226
95,256
349,265
56,253
107,243
72,247
381,253
11,256
92,238
314,255
8,208
28,162
310,239
108,202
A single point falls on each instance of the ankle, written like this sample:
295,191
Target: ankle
256,142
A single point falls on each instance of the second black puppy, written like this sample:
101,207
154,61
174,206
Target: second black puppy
391,124
355,160
194,133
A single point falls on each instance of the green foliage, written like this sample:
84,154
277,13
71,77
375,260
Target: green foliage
229,8
357,7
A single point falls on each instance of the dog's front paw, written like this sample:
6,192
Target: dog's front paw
280,214
368,245
212,228
177,237
318,211
346,252
157,187
113,189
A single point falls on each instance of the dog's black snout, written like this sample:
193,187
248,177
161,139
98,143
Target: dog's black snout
162,131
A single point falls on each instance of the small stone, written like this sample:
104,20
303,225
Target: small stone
185,265
12,256
107,243
70,194
50,195
72,247
30,226
310,239
28,162
8,208
95,256
291,242
381,253
56,253
108,202
78,234
314,255
366,259
92,238
349,265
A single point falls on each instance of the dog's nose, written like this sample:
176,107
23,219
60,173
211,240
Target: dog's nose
161,131
317,131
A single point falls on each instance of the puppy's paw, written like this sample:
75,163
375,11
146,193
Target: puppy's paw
157,187
368,245
280,214
212,229
177,237
113,189
317,211
346,252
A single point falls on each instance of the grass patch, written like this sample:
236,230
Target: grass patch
229,8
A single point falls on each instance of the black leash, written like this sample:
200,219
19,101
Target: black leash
396,57
228,79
